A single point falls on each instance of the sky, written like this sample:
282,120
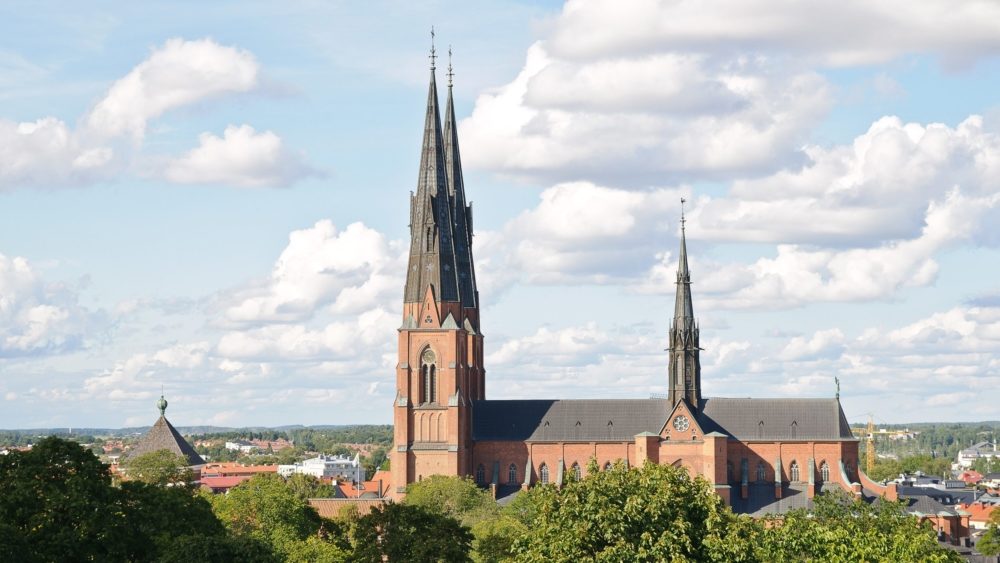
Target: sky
212,199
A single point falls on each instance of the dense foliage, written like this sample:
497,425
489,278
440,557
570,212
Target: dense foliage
989,543
59,503
159,468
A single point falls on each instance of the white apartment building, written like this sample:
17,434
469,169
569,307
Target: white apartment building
969,455
327,466
241,446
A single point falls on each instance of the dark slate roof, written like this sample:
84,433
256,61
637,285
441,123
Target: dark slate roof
574,420
814,419
925,505
947,497
760,499
163,436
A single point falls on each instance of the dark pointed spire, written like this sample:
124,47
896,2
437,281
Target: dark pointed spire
461,212
683,308
432,254
685,362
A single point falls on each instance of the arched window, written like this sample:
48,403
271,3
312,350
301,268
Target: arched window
577,474
607,466
543,474
428,376
481,474
729,471
512,474
793,471
761,471
824,472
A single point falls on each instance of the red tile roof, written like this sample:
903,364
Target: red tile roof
223,482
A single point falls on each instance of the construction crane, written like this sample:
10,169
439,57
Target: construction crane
870,446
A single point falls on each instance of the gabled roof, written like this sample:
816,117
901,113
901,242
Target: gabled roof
567,421
163,436
784,419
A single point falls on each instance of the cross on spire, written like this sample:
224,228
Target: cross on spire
450,73
683,220
433,56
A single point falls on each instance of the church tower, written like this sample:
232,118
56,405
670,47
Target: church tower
685,363
440,369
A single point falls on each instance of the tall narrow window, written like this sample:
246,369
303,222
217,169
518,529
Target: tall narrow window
428,375
795,429
744,470
543,474
512,474
607,466
761,472
434,386
824,472
430,239
425,385
760,430
576,471
481,474
729,471
793,471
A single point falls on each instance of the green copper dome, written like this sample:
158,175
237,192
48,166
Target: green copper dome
162,405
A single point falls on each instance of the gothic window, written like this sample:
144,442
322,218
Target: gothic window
430,239
481,474
793,471
543,474
761,471
607,466
729,471
577,474
744,470
512,474
824,472
428,376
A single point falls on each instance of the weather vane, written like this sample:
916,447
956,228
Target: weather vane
433,52
837,381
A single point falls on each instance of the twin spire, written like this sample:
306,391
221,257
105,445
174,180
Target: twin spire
440,217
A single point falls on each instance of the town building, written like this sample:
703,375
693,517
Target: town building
163,436
761,455
242,446
327,467
968,456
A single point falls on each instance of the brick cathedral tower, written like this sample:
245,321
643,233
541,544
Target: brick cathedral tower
440,368
685,361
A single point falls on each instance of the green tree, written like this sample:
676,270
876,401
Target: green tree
845,529
458,497
185,549
264,508
653,513
406,532
306,487
58,505
161,467
986,465
989,544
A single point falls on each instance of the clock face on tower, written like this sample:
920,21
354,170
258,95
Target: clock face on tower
682,423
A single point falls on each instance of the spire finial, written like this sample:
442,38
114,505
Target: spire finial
683,220
162,403
450,73
837,381
433,56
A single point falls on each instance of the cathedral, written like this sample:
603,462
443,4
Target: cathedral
761,455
